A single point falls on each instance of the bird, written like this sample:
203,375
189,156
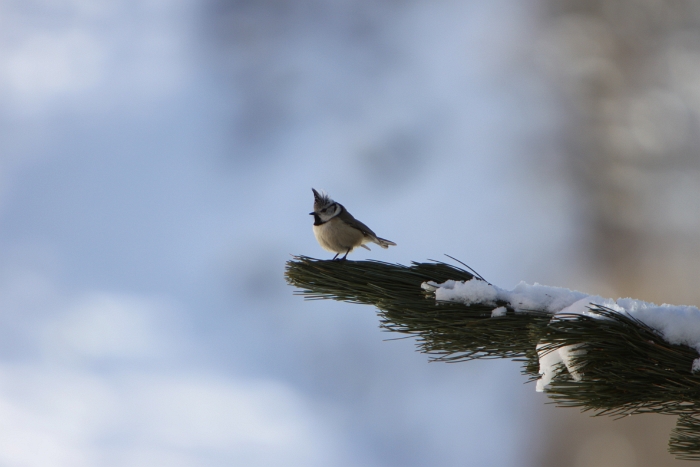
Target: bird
337,230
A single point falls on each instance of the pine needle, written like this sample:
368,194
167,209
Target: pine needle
626,368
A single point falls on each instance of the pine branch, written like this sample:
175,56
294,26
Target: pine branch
624,367
685,442
447,331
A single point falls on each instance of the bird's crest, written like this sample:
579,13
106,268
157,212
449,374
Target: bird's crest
321,200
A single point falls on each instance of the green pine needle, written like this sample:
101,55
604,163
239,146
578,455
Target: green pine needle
625,366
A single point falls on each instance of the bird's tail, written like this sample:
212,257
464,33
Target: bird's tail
384,243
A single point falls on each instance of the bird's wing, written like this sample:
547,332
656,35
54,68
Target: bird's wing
346,217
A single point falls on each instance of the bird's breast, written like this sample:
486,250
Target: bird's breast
337,236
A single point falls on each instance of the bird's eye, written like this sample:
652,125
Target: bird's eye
323,210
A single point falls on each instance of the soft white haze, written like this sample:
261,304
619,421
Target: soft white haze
146,216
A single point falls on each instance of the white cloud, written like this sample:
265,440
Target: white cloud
47,65
101,380
109,326
60,417
250,422
74,54
48,417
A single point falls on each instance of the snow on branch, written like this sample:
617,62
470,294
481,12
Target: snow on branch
612,357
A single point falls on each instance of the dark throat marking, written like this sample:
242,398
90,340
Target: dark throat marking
317,219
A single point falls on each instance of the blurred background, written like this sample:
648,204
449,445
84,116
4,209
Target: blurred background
156,165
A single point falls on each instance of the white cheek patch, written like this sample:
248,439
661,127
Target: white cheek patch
331,212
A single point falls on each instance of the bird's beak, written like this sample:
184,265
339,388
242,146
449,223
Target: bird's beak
311,213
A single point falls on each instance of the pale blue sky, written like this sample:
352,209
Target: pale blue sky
157,164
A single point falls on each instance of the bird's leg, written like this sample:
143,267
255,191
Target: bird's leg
346,254
336,255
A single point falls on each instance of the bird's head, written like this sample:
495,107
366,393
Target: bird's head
324,207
